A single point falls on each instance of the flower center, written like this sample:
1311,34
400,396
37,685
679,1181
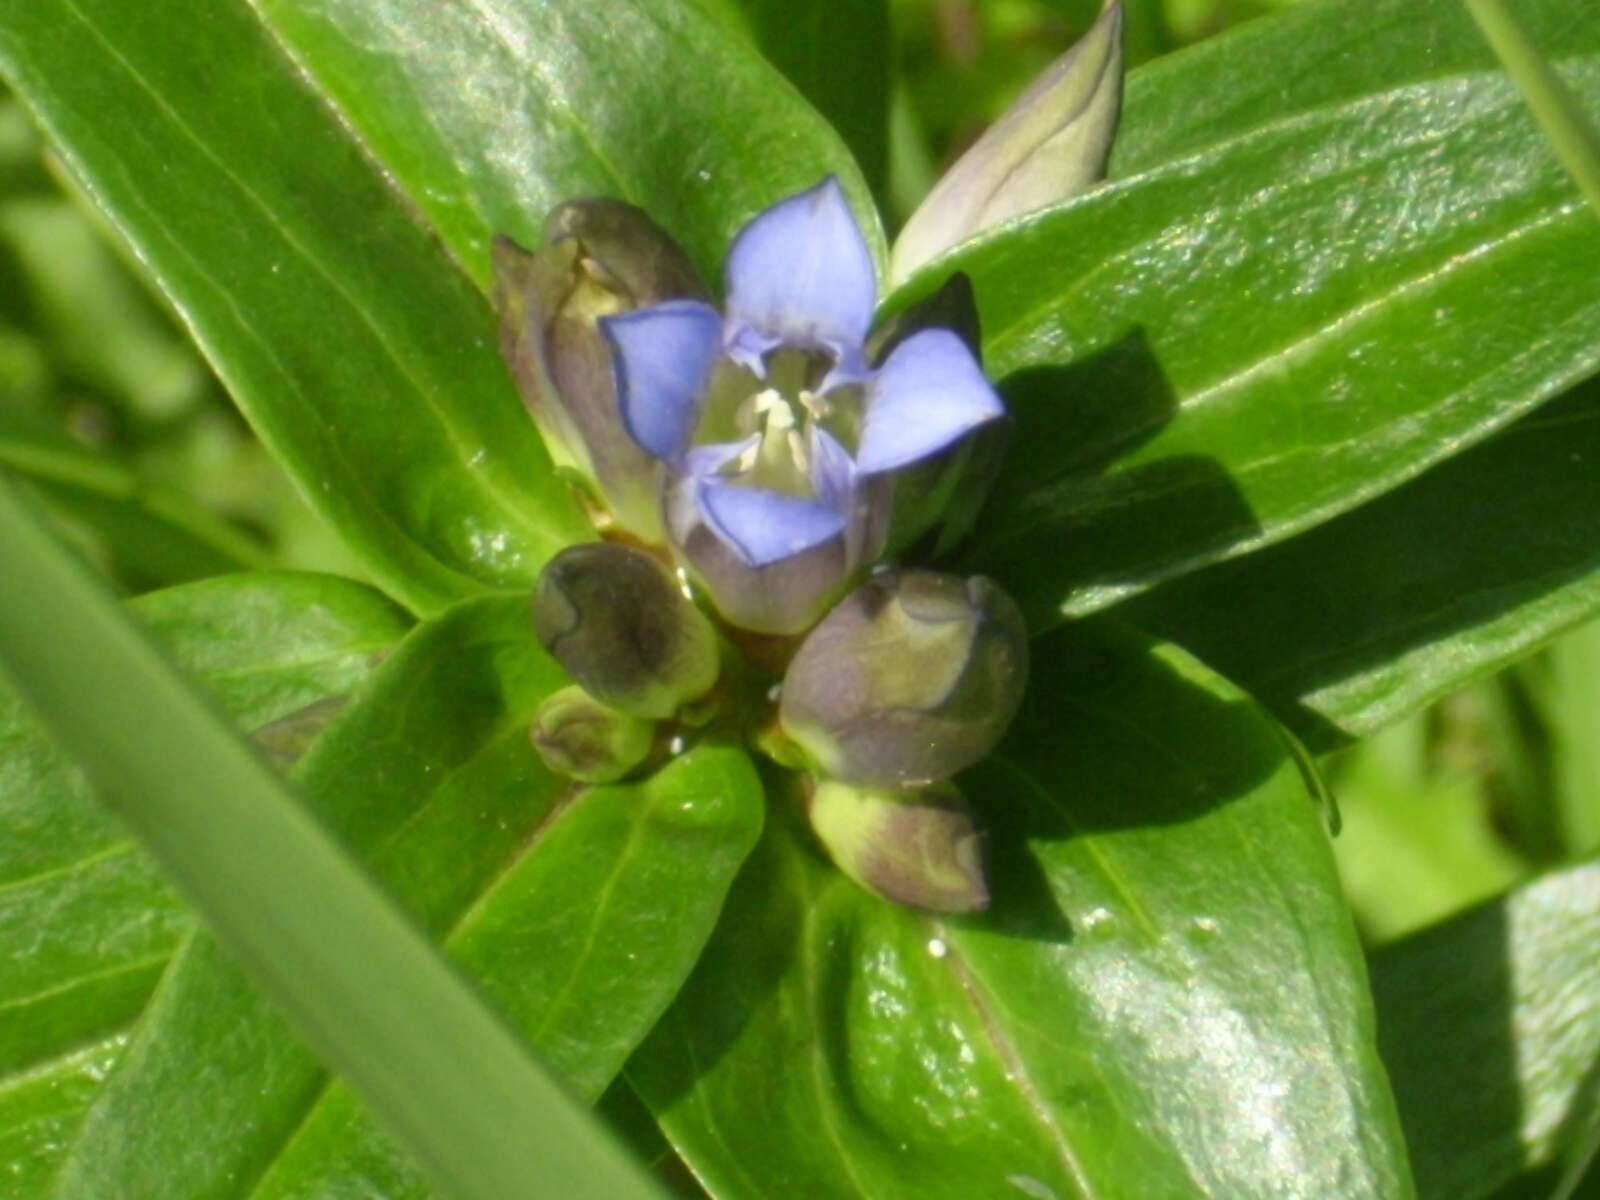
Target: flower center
782,417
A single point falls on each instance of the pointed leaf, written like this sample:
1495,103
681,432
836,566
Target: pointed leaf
430,774
285,898
428,742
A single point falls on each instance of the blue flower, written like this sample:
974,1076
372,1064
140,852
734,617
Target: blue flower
779,439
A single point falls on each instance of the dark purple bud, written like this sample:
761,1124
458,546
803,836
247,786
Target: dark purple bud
617,620
913,677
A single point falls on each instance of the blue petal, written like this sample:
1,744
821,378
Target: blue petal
928,394
663,356
710,458
833,475
764,527
800,274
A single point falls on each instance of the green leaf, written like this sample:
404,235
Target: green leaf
1165,999
836,55
1490,1028
1572,132
1352,256
1374,614
87,919
364,360
323,940
1425,39
429,774
491,113
582,944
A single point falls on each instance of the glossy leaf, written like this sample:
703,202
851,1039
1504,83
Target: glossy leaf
430,775
88,921
365,362
1166,997
565,99
1356,58
40,1108
1490,1026
1287,311
1570,130
1374,614
835,55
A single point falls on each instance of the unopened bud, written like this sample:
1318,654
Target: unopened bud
599,257
918,848
581,738
1051,144
615,618
911,678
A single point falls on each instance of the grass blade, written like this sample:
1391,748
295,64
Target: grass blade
1572,135
363,986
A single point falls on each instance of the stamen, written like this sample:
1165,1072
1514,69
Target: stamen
777,427
765,402
783,419
818,406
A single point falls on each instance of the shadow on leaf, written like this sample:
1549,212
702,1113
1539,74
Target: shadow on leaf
1064,528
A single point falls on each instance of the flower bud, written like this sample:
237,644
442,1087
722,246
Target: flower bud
600,257
912,677
615,618
922,848
1051,144
581,738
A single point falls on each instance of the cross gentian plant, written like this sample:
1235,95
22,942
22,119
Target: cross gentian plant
774,451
